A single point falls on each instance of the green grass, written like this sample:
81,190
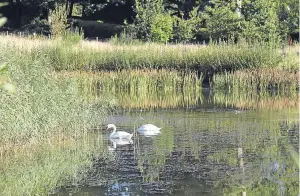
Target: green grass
43,126
241,66
42,103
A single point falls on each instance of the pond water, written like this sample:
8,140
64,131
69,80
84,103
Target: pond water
214,145
206,150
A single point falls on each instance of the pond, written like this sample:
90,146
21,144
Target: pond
216,146
210,149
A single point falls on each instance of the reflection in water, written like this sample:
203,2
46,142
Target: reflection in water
148,90
208,150
120,142
201,152
37,167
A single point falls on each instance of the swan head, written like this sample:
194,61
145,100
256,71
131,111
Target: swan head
111,126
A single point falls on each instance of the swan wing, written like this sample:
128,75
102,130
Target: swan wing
122,134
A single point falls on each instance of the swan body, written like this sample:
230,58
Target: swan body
118,134
148,130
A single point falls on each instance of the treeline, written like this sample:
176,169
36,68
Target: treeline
163,20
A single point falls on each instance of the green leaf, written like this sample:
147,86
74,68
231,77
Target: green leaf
3,4
2,21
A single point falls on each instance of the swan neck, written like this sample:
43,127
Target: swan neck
114,130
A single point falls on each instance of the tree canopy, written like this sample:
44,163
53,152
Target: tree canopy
181,20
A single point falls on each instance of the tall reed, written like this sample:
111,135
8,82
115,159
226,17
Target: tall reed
208,59
257,80
42,103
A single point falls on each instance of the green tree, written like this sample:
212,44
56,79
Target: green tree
161,28
149,21
221,20
261,20
186,29
288,14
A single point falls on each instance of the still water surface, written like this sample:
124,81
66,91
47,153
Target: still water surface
209,150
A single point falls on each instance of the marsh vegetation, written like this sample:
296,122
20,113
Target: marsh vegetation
51,124
228,107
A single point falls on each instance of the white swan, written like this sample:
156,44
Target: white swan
118,134
149,130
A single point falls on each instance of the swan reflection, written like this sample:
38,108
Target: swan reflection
119,142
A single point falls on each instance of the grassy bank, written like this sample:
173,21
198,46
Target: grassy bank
42,103
43,126
208,59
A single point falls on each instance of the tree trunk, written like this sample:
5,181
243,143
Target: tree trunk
67,5
71,8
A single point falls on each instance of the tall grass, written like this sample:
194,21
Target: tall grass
42,104
257,80
38,168
206,59
141,88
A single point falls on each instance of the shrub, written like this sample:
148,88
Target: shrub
58,21
221,22
161,28
147,12
185,29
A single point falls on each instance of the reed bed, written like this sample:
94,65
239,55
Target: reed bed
42,103
141,88
208,59
261,79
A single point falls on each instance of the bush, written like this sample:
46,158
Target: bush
161,28
221,22
125,39
146,18
185,29
58,21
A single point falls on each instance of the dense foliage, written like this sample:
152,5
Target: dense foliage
172,20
